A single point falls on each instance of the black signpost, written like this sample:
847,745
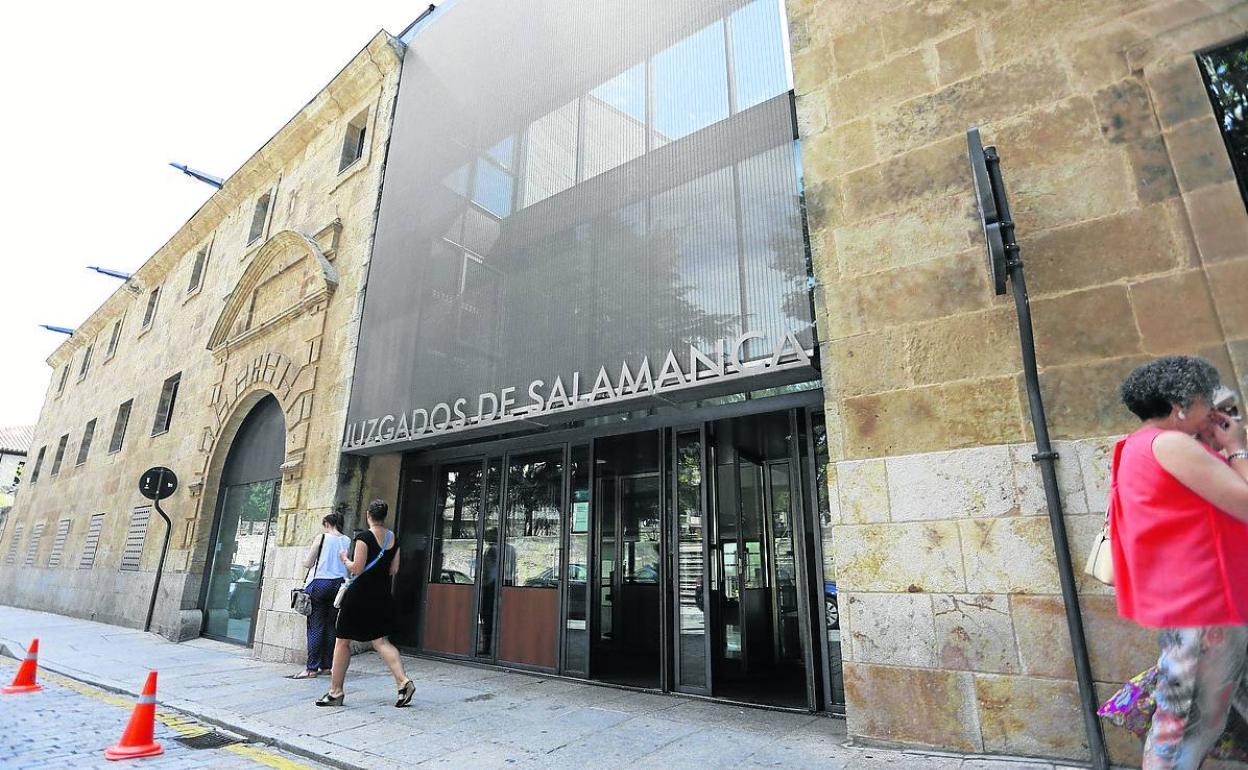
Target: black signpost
1004,263
156,484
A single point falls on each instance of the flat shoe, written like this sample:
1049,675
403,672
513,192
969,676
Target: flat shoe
305,675
405,695
331,700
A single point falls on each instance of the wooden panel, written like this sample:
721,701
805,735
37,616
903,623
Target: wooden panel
448,619
529,632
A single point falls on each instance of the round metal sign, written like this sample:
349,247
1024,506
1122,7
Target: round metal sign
158,483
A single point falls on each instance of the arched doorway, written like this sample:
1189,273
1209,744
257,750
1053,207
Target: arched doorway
245,515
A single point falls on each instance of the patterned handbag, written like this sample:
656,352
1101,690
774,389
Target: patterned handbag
300,599
1133,705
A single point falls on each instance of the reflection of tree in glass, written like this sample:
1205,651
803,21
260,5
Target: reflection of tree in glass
798,274
613,292
533,492
1226,72
259,501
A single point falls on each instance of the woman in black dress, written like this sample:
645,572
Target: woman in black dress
367,613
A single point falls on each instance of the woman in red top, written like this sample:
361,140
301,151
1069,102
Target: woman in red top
1179,528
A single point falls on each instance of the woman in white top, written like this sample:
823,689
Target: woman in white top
325,555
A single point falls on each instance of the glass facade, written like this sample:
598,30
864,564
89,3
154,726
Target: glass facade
609,184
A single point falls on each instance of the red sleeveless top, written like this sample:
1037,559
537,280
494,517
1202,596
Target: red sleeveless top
1178,560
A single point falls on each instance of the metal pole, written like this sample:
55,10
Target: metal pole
1046,458
164,551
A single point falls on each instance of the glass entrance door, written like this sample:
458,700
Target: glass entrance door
693,640
248,514
528,616
628,505
454,573
758,645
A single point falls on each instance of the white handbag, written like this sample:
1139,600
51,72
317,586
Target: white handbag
1101,559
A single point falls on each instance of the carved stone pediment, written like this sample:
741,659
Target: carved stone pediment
288,276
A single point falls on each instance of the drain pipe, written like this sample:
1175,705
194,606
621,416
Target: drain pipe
1005,262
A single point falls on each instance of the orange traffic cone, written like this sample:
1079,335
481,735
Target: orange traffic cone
137,741
25,679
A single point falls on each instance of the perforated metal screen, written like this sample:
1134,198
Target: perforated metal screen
58,542
580,185
136,534
92,543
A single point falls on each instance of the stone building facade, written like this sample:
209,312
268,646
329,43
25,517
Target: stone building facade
934,539
256,296
1134,238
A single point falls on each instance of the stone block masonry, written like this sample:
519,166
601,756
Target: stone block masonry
1133,234
264,316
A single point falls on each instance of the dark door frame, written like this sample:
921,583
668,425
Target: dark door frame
212,549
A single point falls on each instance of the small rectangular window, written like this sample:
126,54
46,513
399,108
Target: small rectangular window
164,410
93,542
34,475
60,387
11,556
353,142
86,362
197,270
1225,70
60,454
136,533
258,219
119,427
113,339
153,300
58,542
84,448
32,547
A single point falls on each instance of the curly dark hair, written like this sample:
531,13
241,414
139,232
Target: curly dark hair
1151,390
377,510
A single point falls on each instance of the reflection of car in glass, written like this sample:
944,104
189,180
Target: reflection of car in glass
454,576
577,577
831,607
243,584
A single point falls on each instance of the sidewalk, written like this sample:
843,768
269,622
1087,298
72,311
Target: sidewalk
462,716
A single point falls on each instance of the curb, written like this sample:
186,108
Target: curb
193,709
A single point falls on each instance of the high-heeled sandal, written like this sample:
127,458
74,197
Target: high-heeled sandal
331,700
405,694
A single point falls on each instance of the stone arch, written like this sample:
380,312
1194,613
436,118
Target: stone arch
292,274
214,466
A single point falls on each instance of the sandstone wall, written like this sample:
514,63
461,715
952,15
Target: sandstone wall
1134,237
278,314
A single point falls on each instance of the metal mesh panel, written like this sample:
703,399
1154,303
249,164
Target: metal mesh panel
132,554
93,542
58,542
580,184
14,542
32,547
